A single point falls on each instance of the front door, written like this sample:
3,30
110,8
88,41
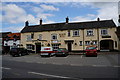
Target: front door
38,48
69,46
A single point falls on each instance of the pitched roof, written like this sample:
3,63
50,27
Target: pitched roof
3,34
68,26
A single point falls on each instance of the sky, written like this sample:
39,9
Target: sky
14,14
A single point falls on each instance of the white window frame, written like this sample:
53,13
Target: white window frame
55,46
104,33
28,38
94,42
54,35
90,32
29,46
87,42
81,43
40,36
76,33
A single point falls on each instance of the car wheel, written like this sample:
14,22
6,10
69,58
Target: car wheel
19,54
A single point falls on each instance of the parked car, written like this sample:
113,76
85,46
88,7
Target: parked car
18,52
61,52
47,51
91,51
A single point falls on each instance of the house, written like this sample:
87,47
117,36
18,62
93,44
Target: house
12,40
74,36
2,38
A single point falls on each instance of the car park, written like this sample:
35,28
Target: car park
18,52
91,51
61,52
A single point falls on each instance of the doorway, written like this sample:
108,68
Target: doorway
69,44
106,45
38,47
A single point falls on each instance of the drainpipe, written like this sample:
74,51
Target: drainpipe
83,41
98,38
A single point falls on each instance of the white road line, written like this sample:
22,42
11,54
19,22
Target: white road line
55,76
81,56
99,65
5,68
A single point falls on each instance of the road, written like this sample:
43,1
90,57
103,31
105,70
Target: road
73,67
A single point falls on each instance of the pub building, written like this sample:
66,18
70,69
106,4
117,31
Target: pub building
74,36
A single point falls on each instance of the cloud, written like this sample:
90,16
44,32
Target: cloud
12,29
49,7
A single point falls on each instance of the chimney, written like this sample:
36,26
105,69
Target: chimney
67,19
119,19
40,21
26,23
98,19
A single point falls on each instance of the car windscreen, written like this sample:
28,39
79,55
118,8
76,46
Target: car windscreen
91,48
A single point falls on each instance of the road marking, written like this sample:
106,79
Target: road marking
5,68
55,76
99,65
81,56
116,66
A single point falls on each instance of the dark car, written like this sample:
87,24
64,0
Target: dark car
18,52
91,51
61,52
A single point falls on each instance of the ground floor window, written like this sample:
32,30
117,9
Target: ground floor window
94,42
30,47
87,43
80,43
55,46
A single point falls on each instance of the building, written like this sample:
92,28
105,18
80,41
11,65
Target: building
2,38
74,36
12,40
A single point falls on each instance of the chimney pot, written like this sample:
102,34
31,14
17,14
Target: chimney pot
98,19
26,23
67,19
40,21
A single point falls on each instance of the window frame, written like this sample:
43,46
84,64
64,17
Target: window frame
28,38
56,37
40,36
104,33
87,43
80,43
90,34
55,46
76,33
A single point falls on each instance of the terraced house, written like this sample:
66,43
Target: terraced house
74,36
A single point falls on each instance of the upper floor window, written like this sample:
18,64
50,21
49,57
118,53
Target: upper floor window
28,38
69,33
54,36
40,37
76,33
104,32
90,32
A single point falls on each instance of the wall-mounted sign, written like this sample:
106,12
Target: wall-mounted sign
62,34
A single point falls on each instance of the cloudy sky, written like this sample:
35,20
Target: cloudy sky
14,14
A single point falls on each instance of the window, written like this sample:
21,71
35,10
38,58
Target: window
55,46
80,43
94,42
54,36
29,38
30,47
87,42
104,32
76,33
32,35
90,32
40,37
69,33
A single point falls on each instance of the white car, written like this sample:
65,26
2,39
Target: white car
47,51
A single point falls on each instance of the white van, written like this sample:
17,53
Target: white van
47,51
